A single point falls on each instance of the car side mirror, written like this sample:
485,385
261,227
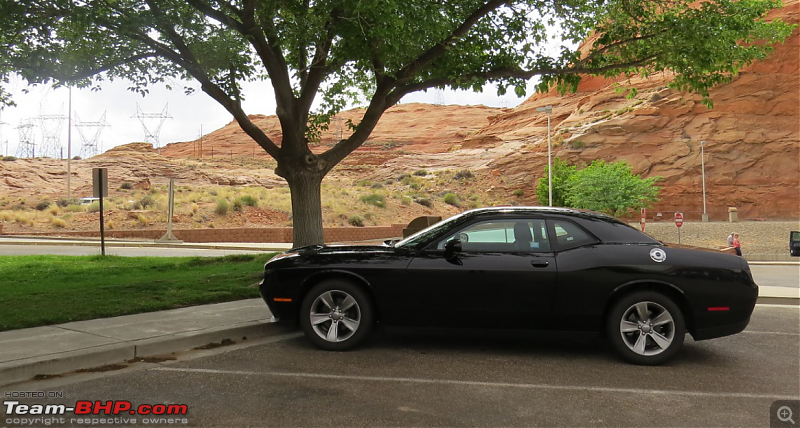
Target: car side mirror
452,247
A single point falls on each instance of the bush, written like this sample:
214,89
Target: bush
146,201
110,224
578,144
405,200
464,174
94,207
238,205
64,202
424,202
519,192
53,209
356,221
222,207
249,201
142,220
9,158
377,186
195,208
421,173
76,158
374,199
403,176
364,183
126,185
57,222
452,199
43,205
75,208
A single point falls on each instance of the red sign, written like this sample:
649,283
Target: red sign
678,219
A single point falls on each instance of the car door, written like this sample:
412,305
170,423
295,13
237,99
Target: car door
504,277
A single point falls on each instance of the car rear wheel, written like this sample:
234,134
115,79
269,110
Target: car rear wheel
336,315
646,327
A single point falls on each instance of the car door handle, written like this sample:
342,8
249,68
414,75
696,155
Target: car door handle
540,263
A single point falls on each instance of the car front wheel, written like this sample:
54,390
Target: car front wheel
646,328
336,315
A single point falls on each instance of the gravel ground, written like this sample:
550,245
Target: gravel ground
757,237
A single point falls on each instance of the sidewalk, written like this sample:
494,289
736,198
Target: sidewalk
63,348
78,345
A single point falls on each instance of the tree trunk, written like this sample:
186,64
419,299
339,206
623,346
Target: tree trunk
306,209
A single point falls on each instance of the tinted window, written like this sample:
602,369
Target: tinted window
570,235
795,237
511,235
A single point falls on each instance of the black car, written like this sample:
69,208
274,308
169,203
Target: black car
517,268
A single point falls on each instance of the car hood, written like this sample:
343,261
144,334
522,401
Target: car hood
691,247
344,249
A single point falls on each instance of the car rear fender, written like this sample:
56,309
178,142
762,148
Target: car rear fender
355,278
663,287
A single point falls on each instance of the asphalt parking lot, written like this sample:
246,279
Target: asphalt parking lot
470,380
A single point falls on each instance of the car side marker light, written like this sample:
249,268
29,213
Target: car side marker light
719,308
281,299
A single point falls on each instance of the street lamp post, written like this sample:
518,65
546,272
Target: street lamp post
703,168
548,110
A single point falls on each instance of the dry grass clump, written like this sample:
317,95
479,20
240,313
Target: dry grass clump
58,222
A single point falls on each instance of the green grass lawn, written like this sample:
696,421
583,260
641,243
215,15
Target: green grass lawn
42,290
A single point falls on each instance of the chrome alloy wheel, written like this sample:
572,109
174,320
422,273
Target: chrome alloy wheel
647,328
335,316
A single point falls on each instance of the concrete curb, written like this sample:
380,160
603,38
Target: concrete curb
118,353
148,245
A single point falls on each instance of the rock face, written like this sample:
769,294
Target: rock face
752,157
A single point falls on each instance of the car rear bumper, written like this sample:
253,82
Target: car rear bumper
720,331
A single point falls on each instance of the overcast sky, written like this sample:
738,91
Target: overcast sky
188,112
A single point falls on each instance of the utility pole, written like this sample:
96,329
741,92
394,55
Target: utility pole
703,167
69,148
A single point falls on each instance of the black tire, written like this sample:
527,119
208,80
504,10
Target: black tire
338,289
652,352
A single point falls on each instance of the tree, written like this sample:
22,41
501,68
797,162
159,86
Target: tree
336,51
610,188
562,172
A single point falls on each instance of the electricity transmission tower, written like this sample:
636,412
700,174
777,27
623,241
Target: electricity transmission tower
151,133
51,126
90,135
438,97
26,148
3,142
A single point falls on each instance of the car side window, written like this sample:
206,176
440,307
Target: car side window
569,235
506,235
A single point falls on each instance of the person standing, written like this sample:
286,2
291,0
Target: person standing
737,245
730,239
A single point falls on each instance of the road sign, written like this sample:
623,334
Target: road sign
678,219
100,182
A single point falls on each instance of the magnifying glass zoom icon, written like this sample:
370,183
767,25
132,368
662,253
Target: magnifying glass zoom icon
785,414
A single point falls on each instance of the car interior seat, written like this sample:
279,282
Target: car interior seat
522,236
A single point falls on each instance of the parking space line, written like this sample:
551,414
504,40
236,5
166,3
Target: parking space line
485,384
782,333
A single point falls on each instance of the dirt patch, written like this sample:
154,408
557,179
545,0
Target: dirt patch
213,345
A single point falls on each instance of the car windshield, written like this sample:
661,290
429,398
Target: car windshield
425,235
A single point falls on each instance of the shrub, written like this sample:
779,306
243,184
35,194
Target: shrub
75,208
374,199
578,144
57,222
356,221
126,185
377,186
6,215
424,202
43,205
237,204
9,158
222,207
64,202
369,216
464,174
452,199
364,183
53,209
403,176
519,192
94,207
76,158
195,208
405,200
249,201
142,220
421,173
147,201
110,224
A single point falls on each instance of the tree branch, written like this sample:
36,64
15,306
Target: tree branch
440,48
317,69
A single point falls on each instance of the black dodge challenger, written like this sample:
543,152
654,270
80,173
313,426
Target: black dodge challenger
517,268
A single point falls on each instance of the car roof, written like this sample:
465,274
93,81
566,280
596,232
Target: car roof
541,210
